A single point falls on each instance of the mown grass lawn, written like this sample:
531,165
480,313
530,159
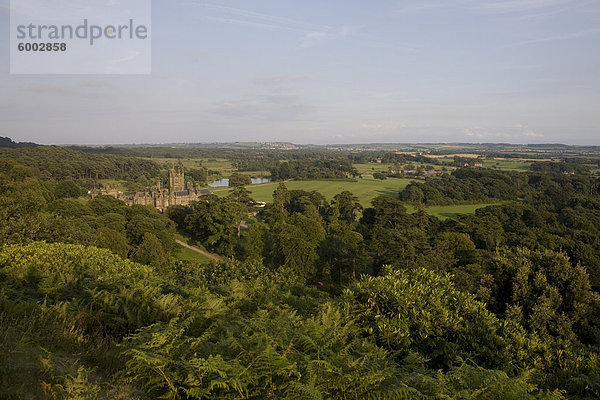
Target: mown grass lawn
366,189
507,165
369,168
453,211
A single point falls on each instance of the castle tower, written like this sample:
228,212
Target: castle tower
176,180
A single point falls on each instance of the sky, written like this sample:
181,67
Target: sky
336,71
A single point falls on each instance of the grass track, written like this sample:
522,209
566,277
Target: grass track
185,254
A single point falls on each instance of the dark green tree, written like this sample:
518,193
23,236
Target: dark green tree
151,252
236,179
347,205
254,242
212,222
343,252
67,189
115,241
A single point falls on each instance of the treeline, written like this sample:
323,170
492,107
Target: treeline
317,165
6,142
60,163
295,164
292,164
567,166
243,157
314,169
481,185
572,228
364,157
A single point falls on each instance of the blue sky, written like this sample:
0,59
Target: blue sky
519,71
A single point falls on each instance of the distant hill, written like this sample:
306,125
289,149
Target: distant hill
6,142
425,148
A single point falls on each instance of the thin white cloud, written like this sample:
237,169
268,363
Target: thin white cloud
80,90
278,80
96,84
562,36
491,6
556,9
129,57
250,24
312,33
271,107
384,95
419,6
476,133
518,6
238,16
378,127
515,132
312,38
533,134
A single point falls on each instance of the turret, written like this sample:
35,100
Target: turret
176,180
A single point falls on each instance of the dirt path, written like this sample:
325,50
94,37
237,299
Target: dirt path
197,250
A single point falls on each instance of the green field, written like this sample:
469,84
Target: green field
256,174
453,211
366,189
500,164
507,165
495,163
369,168
113,183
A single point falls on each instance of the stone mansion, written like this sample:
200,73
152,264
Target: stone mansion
158,196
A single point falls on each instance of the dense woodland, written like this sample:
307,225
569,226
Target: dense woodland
470,184
315,298
60,163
